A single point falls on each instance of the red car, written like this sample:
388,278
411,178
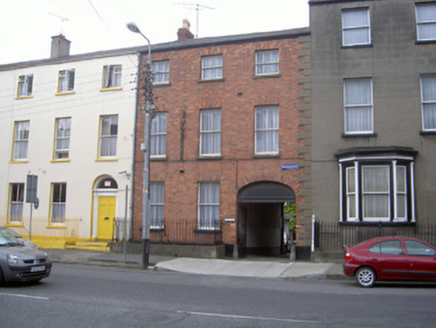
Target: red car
390,258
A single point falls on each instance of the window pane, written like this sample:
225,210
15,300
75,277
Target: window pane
58,202
267,129
108,136
157,195
62,142
158,135
416,248
356,28
267,62
428,86
358,106
21,140
209,205
16,202
212,67
161,72
426,21
375,191
210,132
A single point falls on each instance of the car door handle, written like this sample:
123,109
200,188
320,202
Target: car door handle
375,260
106,218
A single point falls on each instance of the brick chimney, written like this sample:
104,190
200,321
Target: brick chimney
184,33
60,46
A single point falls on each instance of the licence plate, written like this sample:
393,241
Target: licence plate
37,269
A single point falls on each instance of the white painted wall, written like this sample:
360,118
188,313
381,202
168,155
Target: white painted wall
82,170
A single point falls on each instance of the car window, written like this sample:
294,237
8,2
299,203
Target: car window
416,248
391,247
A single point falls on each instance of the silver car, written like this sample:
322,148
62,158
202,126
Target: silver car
15,234
21,263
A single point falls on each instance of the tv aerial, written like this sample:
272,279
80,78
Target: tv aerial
61,19
197,7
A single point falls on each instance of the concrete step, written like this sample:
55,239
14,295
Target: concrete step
98,246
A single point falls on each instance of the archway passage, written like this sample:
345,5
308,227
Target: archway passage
261,218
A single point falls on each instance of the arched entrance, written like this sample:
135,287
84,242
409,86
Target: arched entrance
261,218
104,208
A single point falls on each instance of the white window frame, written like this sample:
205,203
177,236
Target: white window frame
16,202
357,106
161,72
157,201
21,141
422,23
109,139
376,193
213,132
208,202
271,129
158,135
25,86
66,81
346,29
266,64
212,71
62,138
58,200
428,104
112,76
399,196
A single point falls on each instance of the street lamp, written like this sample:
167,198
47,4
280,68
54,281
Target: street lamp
149,108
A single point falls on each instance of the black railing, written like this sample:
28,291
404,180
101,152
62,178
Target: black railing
185,232
332,236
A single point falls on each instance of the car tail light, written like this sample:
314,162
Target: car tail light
347,255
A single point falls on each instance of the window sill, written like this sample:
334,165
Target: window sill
266,76
14,225
353,46
209,158
60,160
56,227
111,89
428,133
23,97
212,80
359,135
208,231
65,93
161,85
425,41
257,156
17,161
106,159
158,158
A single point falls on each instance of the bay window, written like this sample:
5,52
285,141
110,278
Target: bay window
376,185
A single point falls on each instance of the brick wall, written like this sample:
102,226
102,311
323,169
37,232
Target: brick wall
236,95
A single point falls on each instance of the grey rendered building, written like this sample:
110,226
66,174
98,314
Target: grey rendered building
373,113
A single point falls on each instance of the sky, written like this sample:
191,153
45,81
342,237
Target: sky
26,26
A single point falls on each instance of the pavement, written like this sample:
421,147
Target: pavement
259,267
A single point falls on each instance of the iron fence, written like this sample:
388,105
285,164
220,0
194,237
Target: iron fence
332,236
186,232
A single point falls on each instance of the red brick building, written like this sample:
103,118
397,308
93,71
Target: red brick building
229,141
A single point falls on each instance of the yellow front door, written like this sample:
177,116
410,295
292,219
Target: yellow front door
106,217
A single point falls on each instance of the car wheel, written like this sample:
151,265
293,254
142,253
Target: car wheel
366,277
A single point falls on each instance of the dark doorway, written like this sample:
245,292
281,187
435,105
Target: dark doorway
261,218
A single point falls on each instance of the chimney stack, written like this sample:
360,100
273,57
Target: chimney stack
184,33
60,46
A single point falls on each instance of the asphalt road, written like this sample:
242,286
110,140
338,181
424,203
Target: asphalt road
79,296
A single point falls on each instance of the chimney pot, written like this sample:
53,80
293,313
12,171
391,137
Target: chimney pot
184,33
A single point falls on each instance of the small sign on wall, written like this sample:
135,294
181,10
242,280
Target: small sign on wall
290,167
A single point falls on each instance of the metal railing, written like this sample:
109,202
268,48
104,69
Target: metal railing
332,236
186,232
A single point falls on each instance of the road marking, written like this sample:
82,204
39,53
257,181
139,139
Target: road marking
232,316
40,298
